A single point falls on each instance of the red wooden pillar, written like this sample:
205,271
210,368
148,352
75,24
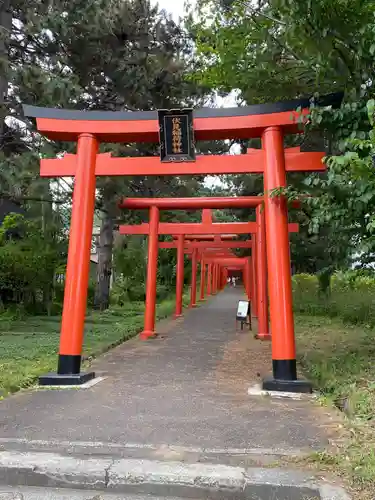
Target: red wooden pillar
209,279
279,272
179,275
248,274
244,279
263,326
203,278
152,266
220,278
193,291
214,272
254,310
77,271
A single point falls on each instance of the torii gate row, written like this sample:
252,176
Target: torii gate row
206,218
260,307
259,262
269,121
198,251
207,245
153,229
217,263
216,274
209,255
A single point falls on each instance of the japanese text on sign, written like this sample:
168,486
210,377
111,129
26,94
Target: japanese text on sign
176,135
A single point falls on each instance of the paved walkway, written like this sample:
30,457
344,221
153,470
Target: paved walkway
180,396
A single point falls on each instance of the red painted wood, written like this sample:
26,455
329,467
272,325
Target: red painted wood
252,162
230,127
193,228
207,244
197,228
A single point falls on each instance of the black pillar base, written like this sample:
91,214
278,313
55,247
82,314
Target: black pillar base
69,364
285,378
68,379
68,372
298,385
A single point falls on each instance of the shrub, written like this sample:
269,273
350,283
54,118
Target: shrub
351,297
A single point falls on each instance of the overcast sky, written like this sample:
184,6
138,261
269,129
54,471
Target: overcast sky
175,7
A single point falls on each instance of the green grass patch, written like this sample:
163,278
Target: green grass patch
351,297
339,358
29,346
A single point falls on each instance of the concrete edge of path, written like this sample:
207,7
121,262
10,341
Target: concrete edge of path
160,478
256,390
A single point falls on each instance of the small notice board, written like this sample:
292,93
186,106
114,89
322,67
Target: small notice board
242,309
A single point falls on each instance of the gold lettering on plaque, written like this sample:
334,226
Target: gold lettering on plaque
176,135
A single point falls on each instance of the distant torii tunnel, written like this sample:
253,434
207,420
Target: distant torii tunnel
153,230
270,122
198,251
255,274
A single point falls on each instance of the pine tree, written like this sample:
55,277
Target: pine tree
97,55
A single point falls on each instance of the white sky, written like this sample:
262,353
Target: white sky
175,7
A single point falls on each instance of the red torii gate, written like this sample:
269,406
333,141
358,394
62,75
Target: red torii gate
88,129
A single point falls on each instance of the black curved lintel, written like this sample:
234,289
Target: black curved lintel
333,100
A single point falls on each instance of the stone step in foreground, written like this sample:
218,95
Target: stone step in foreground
152,477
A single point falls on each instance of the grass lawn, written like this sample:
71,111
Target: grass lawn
29,347
340,360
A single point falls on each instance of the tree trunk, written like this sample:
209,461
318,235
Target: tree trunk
104,267
6,28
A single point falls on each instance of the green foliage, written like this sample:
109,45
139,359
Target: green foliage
280,49
335,348
284,49
97,55
350,297
28,261
131,270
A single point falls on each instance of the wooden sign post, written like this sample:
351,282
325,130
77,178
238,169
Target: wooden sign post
243,314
